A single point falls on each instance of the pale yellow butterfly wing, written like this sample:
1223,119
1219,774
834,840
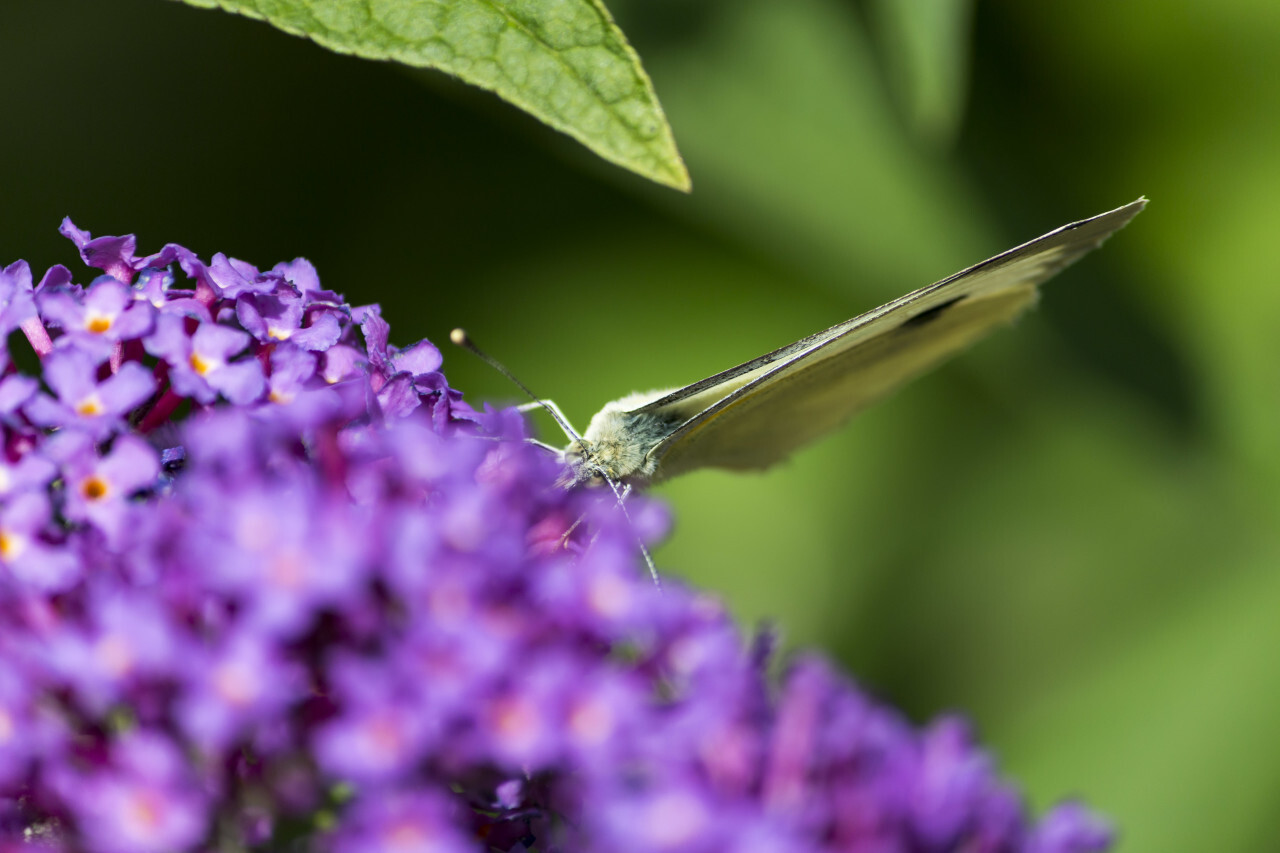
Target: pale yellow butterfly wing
810,397
757,413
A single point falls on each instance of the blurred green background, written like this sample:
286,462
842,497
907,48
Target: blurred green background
1070,533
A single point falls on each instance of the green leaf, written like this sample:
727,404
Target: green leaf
563,61
926,46
829,183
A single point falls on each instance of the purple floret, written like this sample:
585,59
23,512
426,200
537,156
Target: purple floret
201,364
17,304
109,310
113,255
99,487
82,401
268,582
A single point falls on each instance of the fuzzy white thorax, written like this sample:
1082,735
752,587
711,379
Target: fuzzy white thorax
618,441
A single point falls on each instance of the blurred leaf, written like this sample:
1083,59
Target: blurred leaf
799,153
926,45
563,61
1177,718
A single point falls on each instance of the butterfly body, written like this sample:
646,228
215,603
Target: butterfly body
757,413
617,443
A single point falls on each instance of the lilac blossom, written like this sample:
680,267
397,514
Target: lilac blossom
113,255
279,316
15,391
200,363
235,687
29,560
99,487
231,277
29,472
83,401
266,580
16,302
144,797
125,640
25,732
109,309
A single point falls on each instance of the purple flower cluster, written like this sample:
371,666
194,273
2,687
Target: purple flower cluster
266,582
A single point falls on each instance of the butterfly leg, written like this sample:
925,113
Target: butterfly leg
550,406
547,447
564,538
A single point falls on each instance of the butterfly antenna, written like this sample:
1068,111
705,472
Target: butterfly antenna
460,338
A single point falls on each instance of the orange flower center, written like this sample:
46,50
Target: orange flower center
94,488
90,407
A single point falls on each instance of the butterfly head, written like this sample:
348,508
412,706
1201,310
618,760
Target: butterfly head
619,445
584,467
612,459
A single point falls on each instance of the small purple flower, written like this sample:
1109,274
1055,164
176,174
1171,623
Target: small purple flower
340,363
17,305
279,315
951,782
600,712
57,276
270,316
405,822
25,731
200,364
107,310
231,277
381,733
155,286
113,255
283,556
607,599
127,639
293,373
83,402
15,391
301,273
24,554
519,727
170,254
676,817
1071,828
147,801
233,687
395,374
32,472
99,488
417,360
296,390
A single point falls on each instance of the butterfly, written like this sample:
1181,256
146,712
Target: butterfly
756,414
